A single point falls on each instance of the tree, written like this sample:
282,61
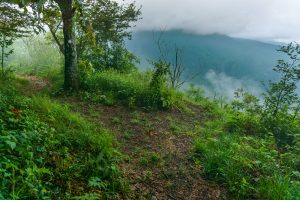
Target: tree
68,9
13,24
5,43
100,28
67,12
103,26
83,19
282,103
282,96
175,64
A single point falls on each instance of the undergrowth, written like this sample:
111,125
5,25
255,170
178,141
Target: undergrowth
133,89
232,149
48,152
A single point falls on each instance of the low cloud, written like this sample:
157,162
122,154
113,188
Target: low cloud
276,20
222,85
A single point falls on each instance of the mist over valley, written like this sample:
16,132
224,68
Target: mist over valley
222,63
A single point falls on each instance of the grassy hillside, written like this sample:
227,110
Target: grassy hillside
130,135
81,120
49,152
97,144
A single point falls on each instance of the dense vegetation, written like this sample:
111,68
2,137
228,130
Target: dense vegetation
49,152
132,89
234,148
250,146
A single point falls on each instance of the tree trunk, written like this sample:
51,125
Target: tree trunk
71,81
2,55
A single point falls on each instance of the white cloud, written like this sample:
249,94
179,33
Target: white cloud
257,19
225,86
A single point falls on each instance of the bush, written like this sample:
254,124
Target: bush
132,90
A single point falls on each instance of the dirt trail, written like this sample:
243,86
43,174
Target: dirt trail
157,147
36,84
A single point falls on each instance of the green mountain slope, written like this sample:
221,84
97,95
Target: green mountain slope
243,62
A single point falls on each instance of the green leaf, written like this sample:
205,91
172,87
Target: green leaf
11,144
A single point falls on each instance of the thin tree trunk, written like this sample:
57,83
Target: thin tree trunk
71,81
2,56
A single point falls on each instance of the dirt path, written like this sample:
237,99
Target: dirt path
157,147
36,84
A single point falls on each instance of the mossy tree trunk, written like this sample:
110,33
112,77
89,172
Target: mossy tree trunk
71,77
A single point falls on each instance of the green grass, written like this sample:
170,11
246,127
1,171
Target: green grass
251,166
49,152
130,89
150,158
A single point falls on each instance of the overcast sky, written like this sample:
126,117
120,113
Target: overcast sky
277,20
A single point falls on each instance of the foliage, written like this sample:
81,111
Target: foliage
281,101
246,102
14,23
49,152
231,150
110,19
254,152
195,94
160,72
132,89
86,70
250,166
150,158
281,96
103,27
34,55
279,112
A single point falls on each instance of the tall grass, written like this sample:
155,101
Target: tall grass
132,89
252,167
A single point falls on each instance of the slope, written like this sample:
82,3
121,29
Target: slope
212,56
156,146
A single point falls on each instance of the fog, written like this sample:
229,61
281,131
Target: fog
223,85
274,20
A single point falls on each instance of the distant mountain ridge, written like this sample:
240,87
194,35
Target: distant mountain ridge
240,59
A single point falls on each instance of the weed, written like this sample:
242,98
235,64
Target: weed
150,158
128,135
135,122
116,120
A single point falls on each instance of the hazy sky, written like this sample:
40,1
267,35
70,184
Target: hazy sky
256,19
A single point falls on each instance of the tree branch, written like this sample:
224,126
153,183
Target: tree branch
60,46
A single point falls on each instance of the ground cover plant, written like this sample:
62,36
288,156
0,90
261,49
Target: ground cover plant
49,152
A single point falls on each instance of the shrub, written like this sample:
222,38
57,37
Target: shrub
132,89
